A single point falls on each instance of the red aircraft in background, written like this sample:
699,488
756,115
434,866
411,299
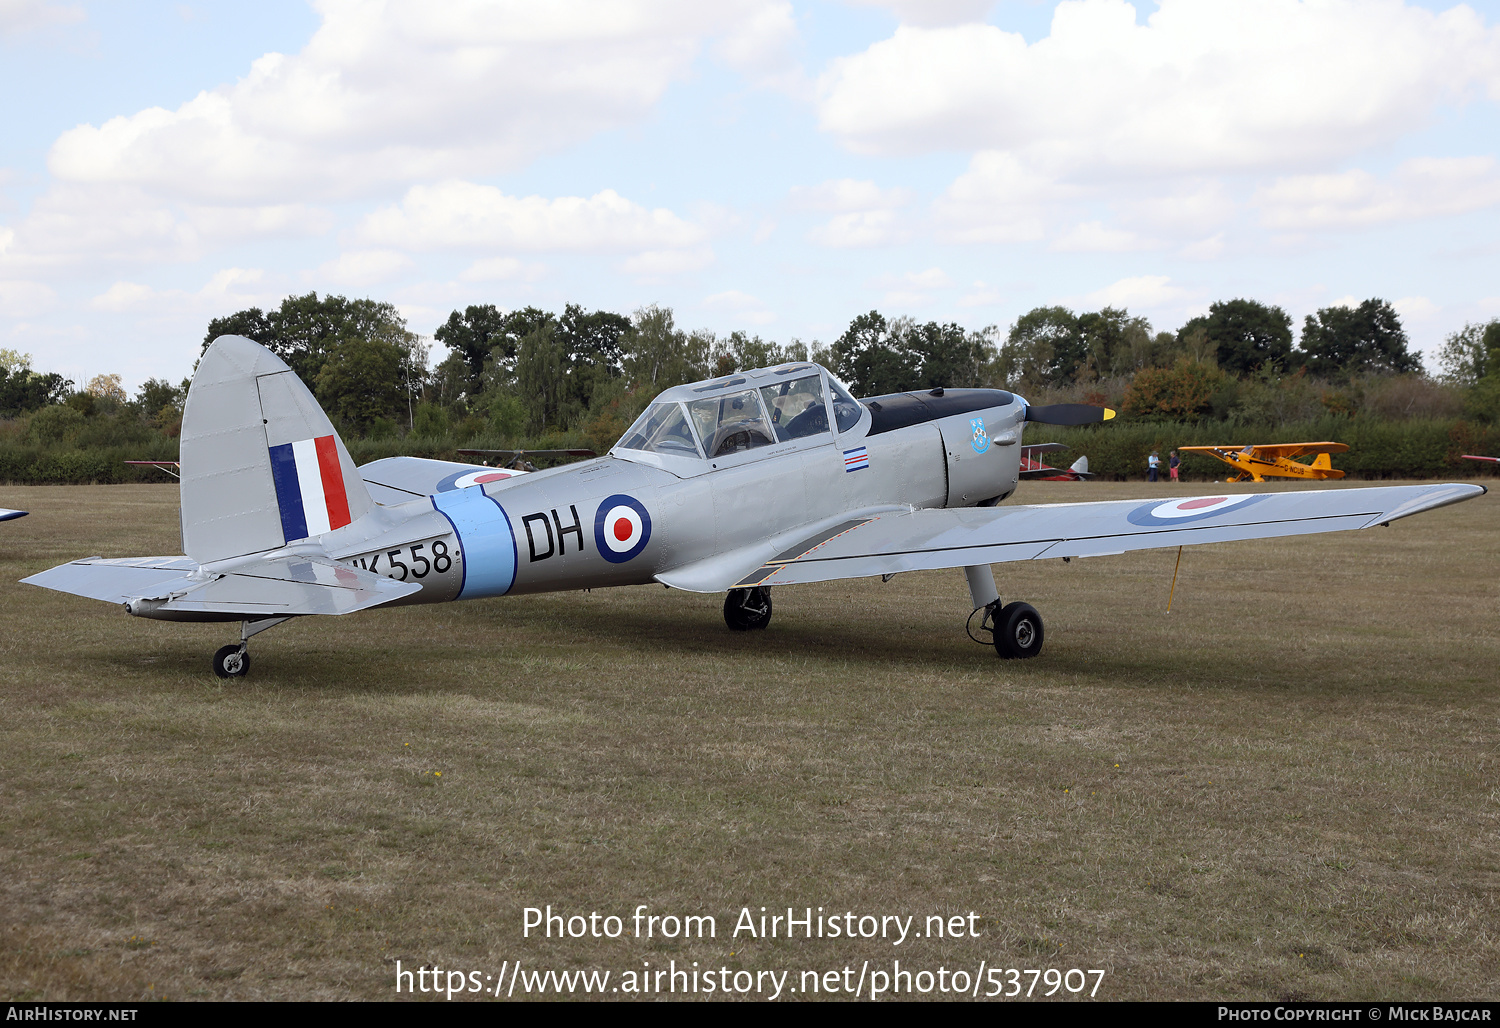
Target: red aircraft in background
1035,470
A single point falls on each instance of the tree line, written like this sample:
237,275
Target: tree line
529,373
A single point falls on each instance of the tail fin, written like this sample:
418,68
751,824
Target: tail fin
1081,465
1324,461
261,463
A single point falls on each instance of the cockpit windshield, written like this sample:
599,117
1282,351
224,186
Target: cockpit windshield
796,407
732,422
661,429
748,411
846,409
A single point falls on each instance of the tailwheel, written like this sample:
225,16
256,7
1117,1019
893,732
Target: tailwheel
1018,631
232,661
748,609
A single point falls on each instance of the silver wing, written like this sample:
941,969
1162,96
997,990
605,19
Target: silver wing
394,480
890,542
175,588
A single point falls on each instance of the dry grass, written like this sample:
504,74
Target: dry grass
1286,788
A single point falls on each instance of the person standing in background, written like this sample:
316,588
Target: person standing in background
1153,467
1173,463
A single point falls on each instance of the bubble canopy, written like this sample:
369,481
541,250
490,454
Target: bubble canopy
745,411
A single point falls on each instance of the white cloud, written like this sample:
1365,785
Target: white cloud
865,214
862,228
359,268
1208,249
1203,86
1139,291
999,200
981,294
932,12
742,305
391,91
1188,208
1416,310
764,48
502,269
1420,188
465,215
17,16
654,265
103,225
227,289
22,299
1093,237
912,289
842,195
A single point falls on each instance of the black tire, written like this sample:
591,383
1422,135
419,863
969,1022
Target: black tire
1018,632
748,610
232,661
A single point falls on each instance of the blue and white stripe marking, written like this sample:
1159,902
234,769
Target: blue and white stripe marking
856,459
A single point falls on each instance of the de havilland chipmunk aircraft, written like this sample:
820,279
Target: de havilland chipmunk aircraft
762,478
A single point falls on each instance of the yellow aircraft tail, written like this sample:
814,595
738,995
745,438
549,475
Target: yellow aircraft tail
1323,461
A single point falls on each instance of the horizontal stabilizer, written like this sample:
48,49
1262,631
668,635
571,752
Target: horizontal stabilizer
394,480
162,587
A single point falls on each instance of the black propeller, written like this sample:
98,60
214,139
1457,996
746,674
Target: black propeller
1068,414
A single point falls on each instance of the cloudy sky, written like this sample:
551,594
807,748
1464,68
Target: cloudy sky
778,167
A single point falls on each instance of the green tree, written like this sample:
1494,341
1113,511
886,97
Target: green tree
156,394
741,352
873,359
658,355
1111,340
1244,334
1355,340
1043,347
541,376
23,390
360,380
946,355
250,323
1465,355
474,335
305,329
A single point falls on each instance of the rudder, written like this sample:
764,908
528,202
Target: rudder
261,463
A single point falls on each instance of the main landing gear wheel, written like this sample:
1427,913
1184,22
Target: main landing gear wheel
1018,631
232,661
748,609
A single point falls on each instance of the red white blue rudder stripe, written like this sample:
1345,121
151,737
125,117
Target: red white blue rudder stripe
309,487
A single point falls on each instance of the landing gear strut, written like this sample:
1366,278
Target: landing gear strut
233,661
748,609
1015,628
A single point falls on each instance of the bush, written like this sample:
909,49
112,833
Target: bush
56,424
1183,392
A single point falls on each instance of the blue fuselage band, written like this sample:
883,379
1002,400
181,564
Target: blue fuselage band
485,536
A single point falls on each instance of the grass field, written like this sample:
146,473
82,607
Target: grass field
1286,788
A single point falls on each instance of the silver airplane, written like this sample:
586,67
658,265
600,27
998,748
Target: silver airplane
763,478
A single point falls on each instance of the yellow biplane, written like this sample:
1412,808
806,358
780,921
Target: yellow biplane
1275,460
